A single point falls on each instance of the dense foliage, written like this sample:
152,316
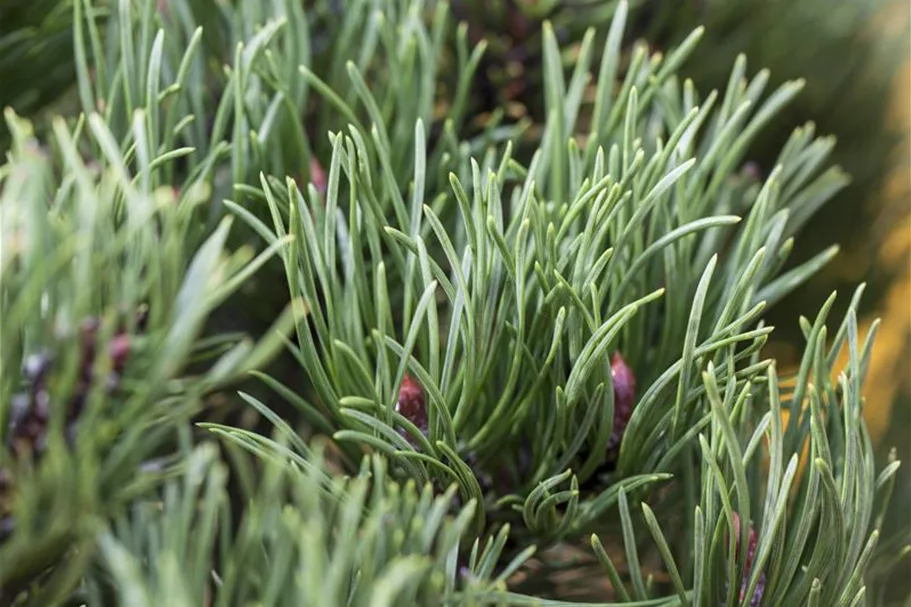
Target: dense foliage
466,335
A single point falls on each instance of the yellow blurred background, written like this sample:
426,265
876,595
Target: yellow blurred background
890,367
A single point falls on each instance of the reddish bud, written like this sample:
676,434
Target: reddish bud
411,404
751,542
624,400
119,350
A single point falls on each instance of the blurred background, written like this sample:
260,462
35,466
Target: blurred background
856,58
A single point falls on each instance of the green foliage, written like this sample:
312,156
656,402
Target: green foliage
498,262
542,270
85,242
303,540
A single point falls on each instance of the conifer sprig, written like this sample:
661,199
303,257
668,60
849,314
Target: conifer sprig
86,247
461,289
304,540
576,246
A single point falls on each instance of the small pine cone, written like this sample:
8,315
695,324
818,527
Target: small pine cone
756,599
624,401
751,542
411,403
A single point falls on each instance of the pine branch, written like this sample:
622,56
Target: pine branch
521,255
102,311
562,322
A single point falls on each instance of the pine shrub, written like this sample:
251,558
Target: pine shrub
292,315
